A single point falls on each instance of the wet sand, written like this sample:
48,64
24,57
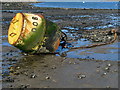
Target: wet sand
52,71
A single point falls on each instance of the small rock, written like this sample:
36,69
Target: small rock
104,73
81,76
98,66
54,80
70,62
115,70
97,70
11,86
25,73
45,65
33,76
107,68
109,65
63,55
16,73
25,54
18,67
7,53
107,86
23,86
53,67
9,79
7,4
47,77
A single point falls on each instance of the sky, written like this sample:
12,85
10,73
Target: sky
78,0
57,0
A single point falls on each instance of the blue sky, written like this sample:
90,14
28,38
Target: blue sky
77,0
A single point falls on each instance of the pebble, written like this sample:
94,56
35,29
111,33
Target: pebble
25,73
25,54
115,70
16,73
53,67
81,76
11,86
70,62
98,66
18,67
107,68
104,73
9,79
54,80
109,65
7,4
97,70
63,54
24,86
107,86
33,76
45,65
47,77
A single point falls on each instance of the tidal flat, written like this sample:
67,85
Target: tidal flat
95,67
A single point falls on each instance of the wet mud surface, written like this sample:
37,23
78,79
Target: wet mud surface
84,68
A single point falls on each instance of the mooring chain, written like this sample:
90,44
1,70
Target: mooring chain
95,45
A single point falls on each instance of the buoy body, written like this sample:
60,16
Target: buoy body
33,33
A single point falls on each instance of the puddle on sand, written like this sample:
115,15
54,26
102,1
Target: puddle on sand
92,27
106,52
10,55
5,42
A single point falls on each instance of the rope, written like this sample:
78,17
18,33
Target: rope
95,45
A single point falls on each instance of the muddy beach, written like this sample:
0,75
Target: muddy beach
85,68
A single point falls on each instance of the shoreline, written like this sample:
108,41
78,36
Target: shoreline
28,5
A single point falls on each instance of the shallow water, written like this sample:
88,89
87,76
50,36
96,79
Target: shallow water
93,5
106,52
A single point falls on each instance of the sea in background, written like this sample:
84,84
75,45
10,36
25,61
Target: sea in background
87,5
